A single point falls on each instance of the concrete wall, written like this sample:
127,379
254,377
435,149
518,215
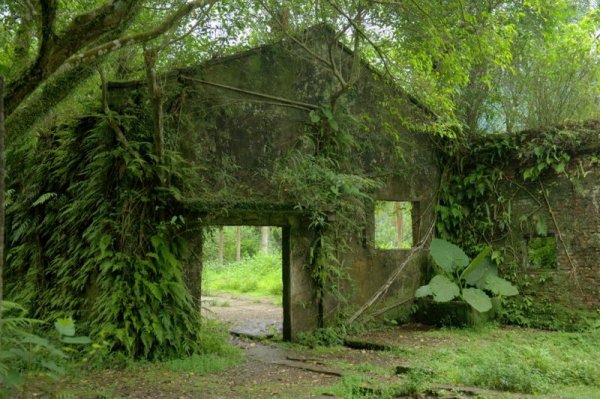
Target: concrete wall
235,137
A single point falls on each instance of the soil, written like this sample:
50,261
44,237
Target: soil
270,369
246,315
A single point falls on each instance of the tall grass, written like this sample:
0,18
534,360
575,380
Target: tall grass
259,275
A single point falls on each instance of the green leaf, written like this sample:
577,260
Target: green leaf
447,255
52,366
479,261
314,117
12,377
423,291
442,289
65,326
83,340
500,286
43,199
540,227
477,299
334,125
477,275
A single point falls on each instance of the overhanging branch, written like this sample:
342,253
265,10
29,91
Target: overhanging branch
136,38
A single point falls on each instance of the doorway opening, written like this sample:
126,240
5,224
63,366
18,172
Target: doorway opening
245,279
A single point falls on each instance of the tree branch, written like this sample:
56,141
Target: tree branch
385,287
136,38
281,100
54,50
72,70
156,100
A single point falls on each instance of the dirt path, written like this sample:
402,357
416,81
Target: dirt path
246,315
271,369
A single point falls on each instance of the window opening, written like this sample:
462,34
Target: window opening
394,225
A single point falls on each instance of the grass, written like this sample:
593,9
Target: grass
515,360
120,379
258,275
508,361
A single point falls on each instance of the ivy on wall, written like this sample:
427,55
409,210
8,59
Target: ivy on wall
475,207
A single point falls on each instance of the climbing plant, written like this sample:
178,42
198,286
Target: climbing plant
333,192
475,208
94,234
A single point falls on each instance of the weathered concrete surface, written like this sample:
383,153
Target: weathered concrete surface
237,118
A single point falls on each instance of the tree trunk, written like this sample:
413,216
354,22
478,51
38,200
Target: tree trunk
221,244
264,240
2,184
238,247
399,223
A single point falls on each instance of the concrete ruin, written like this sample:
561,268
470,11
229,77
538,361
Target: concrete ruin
561,211
236,117
245,112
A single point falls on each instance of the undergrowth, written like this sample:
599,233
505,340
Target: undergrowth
217,353
524,361
259,275
95,234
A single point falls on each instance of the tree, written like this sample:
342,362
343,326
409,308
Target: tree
2,190
264,239
66,57
238,243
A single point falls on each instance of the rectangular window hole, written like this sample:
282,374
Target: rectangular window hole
394,224
541,253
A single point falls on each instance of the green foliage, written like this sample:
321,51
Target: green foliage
475,207
512,360
448,256
217,353
387,216
105,247
328,336
23,349
260,274
250,242
362,387
321,181
528,311
463,278
541,252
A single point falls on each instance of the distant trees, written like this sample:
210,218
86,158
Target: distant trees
234,243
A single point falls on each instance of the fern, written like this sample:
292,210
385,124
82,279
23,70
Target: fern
43,199
91,237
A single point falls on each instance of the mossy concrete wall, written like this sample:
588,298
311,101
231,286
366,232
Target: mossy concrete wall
564,207
237,117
